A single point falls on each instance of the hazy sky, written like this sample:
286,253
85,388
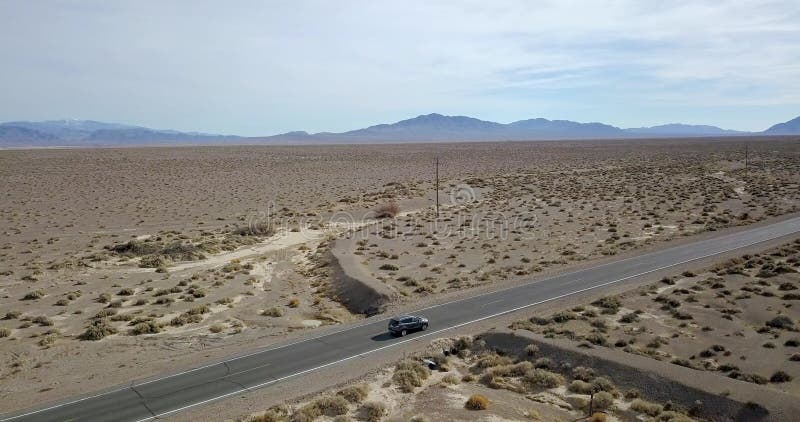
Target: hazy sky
264,67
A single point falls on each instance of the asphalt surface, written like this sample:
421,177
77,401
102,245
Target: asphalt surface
171,394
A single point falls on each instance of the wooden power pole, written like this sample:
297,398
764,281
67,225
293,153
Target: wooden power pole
437,186
746,160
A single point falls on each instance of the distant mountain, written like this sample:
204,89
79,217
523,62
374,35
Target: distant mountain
543,128
22,136
436,127
792,127
68,129
679,129
427,127
432,127
93,133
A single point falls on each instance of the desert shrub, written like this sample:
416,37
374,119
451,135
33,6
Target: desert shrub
42,321
477,402
62,302
294,302
36,294
598,417
261,228
104,313
373,411
406,380
4,332
543,362
47,340
272,312
12,315
178,251
389,210
419,418
753,378
580,387
492,359
451,379
389,267
603,384
781,322
608,304
409,374
646,407
98,329
126,292
564,316
122,317
217,328
354,393
543,378
135,248
794,342
597,339
582,373
514,370
682,362
780,376
603,400
531,350
307,413
630,317
186,318
268,416
332,405
145,327
462,343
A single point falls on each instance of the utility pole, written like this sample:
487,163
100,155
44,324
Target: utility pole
437,186
746,161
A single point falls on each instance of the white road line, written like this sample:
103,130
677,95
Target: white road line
427,334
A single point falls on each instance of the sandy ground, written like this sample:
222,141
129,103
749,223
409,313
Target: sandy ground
738,318
66,214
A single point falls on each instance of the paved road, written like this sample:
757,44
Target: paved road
165,396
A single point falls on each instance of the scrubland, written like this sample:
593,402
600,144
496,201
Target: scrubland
121,263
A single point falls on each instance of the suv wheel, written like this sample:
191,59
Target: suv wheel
403,333
424,327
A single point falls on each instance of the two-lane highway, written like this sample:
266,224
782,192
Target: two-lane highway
165,396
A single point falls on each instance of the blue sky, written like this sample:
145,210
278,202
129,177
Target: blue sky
265,67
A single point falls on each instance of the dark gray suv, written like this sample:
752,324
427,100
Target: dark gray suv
405,324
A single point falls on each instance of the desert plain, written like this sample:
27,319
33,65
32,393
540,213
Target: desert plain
120,264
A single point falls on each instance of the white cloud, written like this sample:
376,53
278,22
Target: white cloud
262,67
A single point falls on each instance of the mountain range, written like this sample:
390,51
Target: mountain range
93,133
425,128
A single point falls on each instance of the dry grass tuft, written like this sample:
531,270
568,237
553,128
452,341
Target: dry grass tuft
646,407
373,411
97,330
477,402
354,393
